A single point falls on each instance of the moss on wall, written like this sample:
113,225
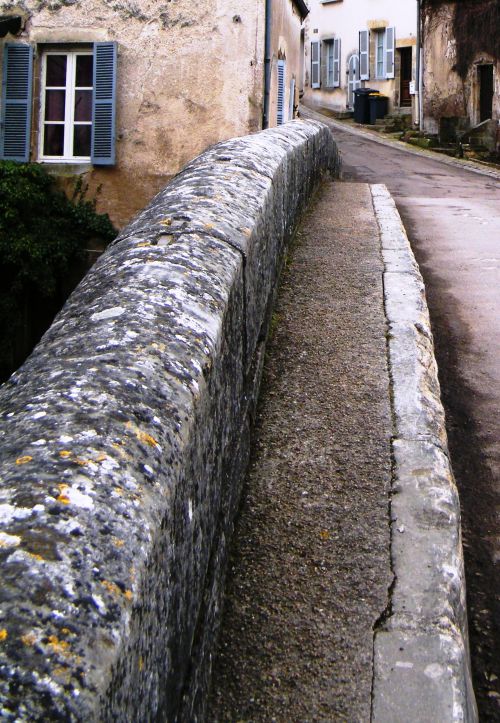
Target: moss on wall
476,29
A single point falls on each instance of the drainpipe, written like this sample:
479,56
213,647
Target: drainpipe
267,65
420,58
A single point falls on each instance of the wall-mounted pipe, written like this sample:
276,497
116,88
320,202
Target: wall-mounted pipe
267,65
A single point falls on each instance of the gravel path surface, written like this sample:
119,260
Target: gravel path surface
310,569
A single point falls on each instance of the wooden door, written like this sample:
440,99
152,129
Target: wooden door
405,73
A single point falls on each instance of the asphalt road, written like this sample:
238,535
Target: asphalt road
452,216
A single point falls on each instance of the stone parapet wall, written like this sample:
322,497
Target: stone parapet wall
124,440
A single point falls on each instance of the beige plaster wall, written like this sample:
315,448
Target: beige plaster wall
344,20
286,45
189,74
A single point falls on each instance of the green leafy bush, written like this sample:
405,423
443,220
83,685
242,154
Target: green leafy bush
43,237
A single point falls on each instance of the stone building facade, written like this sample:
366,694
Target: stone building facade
123,94
461,68
360,43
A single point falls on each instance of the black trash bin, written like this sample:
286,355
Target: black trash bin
362,105
379,105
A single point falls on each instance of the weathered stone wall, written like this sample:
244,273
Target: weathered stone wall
124,439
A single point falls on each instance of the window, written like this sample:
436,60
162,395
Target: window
77,103
384,53
329,64
380,54
66,117
333,63
315,65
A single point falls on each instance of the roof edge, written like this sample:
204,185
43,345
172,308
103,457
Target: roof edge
301,7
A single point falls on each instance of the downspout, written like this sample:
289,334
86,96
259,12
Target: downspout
267,65
420,75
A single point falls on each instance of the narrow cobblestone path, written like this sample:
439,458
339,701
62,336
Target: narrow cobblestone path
310,569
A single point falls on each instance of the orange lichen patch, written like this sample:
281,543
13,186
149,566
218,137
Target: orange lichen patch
111,587
147,438
166,222
324,534
118,491
24,460
129,594
3,635
29,639
58,646
36,556
64,453
101,457
82,462
209,225
140,664
144,243
63,497
117,542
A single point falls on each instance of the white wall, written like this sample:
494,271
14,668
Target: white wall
344,19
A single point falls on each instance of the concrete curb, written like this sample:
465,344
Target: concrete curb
421,652
465,165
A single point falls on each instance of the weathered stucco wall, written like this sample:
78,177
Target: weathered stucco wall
286,45
189,75
446,94
124,438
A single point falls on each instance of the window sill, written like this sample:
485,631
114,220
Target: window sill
66,169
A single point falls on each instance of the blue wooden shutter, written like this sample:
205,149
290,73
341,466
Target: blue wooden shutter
281,92
364,54
16,102
336,63
104,104
390,40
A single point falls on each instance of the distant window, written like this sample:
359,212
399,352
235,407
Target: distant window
380,54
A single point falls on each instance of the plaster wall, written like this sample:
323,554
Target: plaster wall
344,20
286,45
446,95
189,75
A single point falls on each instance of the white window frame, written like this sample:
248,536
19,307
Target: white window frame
330,56
380,54
69,110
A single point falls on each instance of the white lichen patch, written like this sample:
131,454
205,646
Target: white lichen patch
112,313
9,540
73,496
9,513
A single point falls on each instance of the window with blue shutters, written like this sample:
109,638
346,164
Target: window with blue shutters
16,102
77,103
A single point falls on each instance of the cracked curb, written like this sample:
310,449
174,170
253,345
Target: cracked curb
421,650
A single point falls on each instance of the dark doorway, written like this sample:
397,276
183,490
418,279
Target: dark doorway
485,92
405,57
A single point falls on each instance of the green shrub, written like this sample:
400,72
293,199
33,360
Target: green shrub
43,237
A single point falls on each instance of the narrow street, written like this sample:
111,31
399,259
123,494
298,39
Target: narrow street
452,217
